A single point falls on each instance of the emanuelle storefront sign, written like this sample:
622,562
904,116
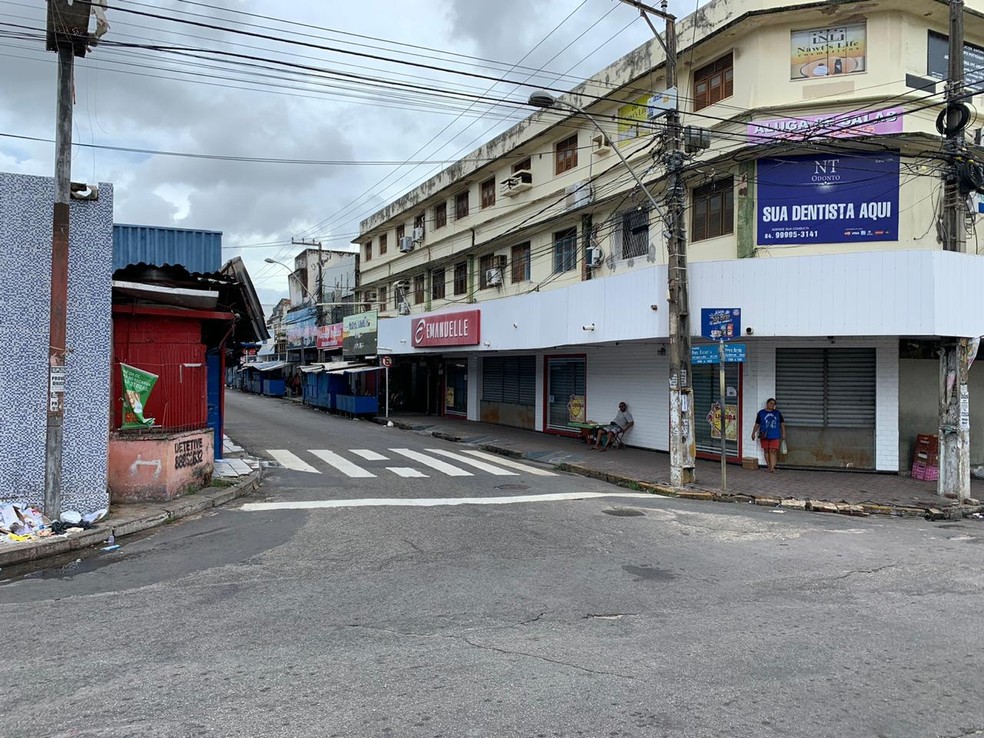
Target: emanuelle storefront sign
448,329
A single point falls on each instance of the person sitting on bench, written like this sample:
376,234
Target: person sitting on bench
622,422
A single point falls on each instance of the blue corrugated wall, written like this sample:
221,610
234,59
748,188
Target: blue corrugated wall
196,251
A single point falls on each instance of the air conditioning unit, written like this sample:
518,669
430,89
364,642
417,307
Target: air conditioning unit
579,195
595,257
418,235
493,277
519,182
602,145
403,308
406,245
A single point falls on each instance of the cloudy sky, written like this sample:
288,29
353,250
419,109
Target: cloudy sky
292,119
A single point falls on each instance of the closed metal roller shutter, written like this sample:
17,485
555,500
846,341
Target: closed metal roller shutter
800,385
821,387
509,379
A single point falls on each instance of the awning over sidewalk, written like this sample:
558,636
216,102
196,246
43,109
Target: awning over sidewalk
363,369
267,366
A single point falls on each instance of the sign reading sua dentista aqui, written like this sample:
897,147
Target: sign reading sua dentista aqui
826,198
448,329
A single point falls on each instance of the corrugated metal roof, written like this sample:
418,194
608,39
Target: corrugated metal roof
196,251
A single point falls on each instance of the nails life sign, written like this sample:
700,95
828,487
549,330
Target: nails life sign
448,329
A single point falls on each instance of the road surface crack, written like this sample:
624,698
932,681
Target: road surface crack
866,571
545,659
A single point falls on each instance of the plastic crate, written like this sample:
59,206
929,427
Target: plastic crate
925,473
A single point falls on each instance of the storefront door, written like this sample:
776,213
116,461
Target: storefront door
707,416
566,381
456,388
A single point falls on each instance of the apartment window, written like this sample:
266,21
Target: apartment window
565,155
461,278
565,250
382,244
418,289
418,223
440,215
401,231
461,205
488,193
369,251
635,233
522,166
438,279
487,263
713,209
521,262
381,296
714,82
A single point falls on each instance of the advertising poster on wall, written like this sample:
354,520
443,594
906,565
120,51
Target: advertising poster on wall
330,336
302,327
883,122
360,334
633,119
938,63
826,198
827,52
137,386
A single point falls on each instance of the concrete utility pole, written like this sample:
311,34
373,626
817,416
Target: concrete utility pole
682,440
68,35
954,433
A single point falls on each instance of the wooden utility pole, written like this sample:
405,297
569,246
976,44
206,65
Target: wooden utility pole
954,394
682,439
68,35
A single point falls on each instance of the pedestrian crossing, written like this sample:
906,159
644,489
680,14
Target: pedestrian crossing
427,462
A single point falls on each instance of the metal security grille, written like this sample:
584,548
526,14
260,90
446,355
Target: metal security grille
509,379
566,378
825,387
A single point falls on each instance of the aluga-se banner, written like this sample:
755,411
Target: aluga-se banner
137,385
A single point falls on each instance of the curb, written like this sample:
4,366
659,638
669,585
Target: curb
954,512
182,507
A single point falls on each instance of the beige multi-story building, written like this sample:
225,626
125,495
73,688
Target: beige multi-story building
527,283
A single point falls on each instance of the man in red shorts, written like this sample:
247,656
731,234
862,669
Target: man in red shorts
771,429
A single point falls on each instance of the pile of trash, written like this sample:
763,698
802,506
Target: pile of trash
21,522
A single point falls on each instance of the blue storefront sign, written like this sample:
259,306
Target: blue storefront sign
734,353
828,198
720,324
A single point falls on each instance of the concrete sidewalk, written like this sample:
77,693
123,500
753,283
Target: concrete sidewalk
126,519
855,493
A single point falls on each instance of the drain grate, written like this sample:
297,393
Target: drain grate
623,512
512,486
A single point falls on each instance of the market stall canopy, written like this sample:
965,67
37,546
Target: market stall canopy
266,366
362,369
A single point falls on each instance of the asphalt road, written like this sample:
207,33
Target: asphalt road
609,617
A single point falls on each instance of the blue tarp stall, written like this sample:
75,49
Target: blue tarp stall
331,387
265,378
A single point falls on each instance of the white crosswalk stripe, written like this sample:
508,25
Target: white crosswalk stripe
441,466
291,461
497,470
342,464
406,471
511,464
367,454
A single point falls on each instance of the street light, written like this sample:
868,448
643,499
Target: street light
681,393
300,284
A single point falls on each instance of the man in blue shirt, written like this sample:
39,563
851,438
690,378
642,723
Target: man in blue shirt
771,429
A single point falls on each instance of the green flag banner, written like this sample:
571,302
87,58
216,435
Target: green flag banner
137,385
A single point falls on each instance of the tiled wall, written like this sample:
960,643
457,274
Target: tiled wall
25,262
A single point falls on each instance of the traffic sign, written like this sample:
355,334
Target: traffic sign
734,353
720,324
386,361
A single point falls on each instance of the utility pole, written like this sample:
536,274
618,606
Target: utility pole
68,35
682,443
954,432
